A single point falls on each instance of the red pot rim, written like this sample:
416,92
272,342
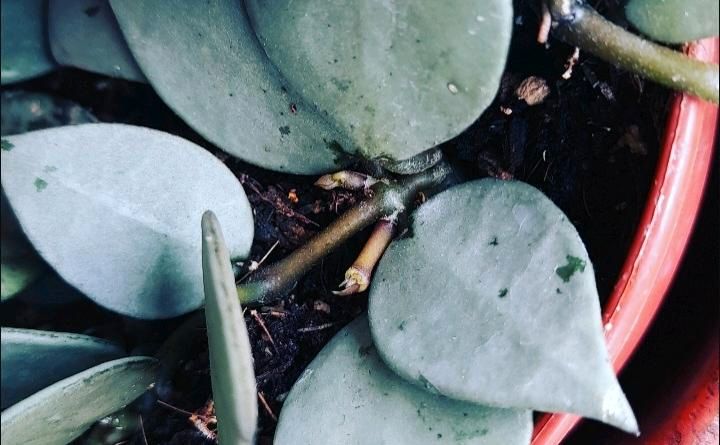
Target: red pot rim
661,237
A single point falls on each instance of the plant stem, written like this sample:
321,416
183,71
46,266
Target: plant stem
580,25
275,281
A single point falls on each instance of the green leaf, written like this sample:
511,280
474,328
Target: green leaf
231,363
348,396
675,21
61,412
32,360
205,62
85,34
398,78
19,267
492,299
23,46
111,208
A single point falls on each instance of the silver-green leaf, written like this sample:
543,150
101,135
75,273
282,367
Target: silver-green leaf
675,21
398,77
492,299
348,396
111,208
32,360
204,60
85,34
19,267
61,412
231,364
24,51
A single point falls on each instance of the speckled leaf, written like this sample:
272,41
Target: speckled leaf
231,363
85,34
675,21
348,396
63,411
112,208
398,77
24,51
493,300
204,60
32,360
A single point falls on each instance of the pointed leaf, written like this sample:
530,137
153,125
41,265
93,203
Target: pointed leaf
205,62
23,44
75,23
32,360
675,21
231,363
348,396
110,208
399,77
493,300
63,411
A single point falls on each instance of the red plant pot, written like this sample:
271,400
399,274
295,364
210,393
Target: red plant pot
661,237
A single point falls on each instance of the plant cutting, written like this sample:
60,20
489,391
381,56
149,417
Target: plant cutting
520,328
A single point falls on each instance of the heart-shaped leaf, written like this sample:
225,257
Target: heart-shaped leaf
23,46
205,62
348,396
397,77
61,412
493,300
32,360
231,363
675,21
85,34
111,208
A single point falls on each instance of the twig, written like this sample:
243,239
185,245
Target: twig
261,323
545,22
254,265
274,281
580,25
142,429
174,408
265,405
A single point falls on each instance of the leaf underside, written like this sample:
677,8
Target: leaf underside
63,411
520,321
32,360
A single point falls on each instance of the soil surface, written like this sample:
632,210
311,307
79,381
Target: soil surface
591,145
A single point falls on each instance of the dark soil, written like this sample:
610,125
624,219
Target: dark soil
591,146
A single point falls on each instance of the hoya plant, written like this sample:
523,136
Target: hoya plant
485,307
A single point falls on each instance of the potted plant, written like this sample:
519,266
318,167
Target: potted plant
113,209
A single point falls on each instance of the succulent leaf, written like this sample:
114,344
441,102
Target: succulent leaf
397,77
206,63
110,208
231,363
32,360
348,395
519,324
675,21
63,411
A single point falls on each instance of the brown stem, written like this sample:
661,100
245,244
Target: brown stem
357,277
580,25
276,280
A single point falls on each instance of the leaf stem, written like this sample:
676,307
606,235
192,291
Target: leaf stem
273,282
580,25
